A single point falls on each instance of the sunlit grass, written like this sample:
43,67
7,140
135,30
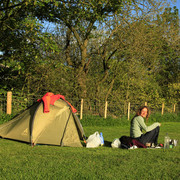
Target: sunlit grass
21,161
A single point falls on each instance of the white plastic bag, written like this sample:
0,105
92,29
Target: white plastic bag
93,140
116,143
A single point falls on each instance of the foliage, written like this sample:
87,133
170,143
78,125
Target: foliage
173,92
5,118
98,50
89,120
168,72
167,117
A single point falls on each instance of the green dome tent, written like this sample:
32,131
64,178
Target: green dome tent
60,126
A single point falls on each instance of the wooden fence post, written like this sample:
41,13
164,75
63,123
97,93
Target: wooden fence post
129,110
9,103
174,108
105,112
81,111
162,109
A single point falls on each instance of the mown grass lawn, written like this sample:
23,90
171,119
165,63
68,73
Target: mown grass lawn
21,161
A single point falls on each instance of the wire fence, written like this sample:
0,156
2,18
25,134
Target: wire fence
113,109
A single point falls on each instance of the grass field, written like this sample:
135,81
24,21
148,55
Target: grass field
21,161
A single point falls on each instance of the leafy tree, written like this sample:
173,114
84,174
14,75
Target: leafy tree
80,17
168,71
24,46
136,46
101,50
15,30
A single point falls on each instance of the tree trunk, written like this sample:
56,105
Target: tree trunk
81,78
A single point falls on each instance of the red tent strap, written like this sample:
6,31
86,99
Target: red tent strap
50,98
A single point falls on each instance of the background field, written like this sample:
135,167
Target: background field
21,161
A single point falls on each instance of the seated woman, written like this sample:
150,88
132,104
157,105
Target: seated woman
137,125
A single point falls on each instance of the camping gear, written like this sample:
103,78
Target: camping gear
50,98
173,143
148,144
133,147
127,142
93,140
166,141
116,143
60,126
102,139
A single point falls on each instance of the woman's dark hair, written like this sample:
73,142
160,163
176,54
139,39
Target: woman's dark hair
138,112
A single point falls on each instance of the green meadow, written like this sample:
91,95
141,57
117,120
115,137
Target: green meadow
21,161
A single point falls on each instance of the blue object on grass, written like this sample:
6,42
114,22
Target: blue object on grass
102,139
